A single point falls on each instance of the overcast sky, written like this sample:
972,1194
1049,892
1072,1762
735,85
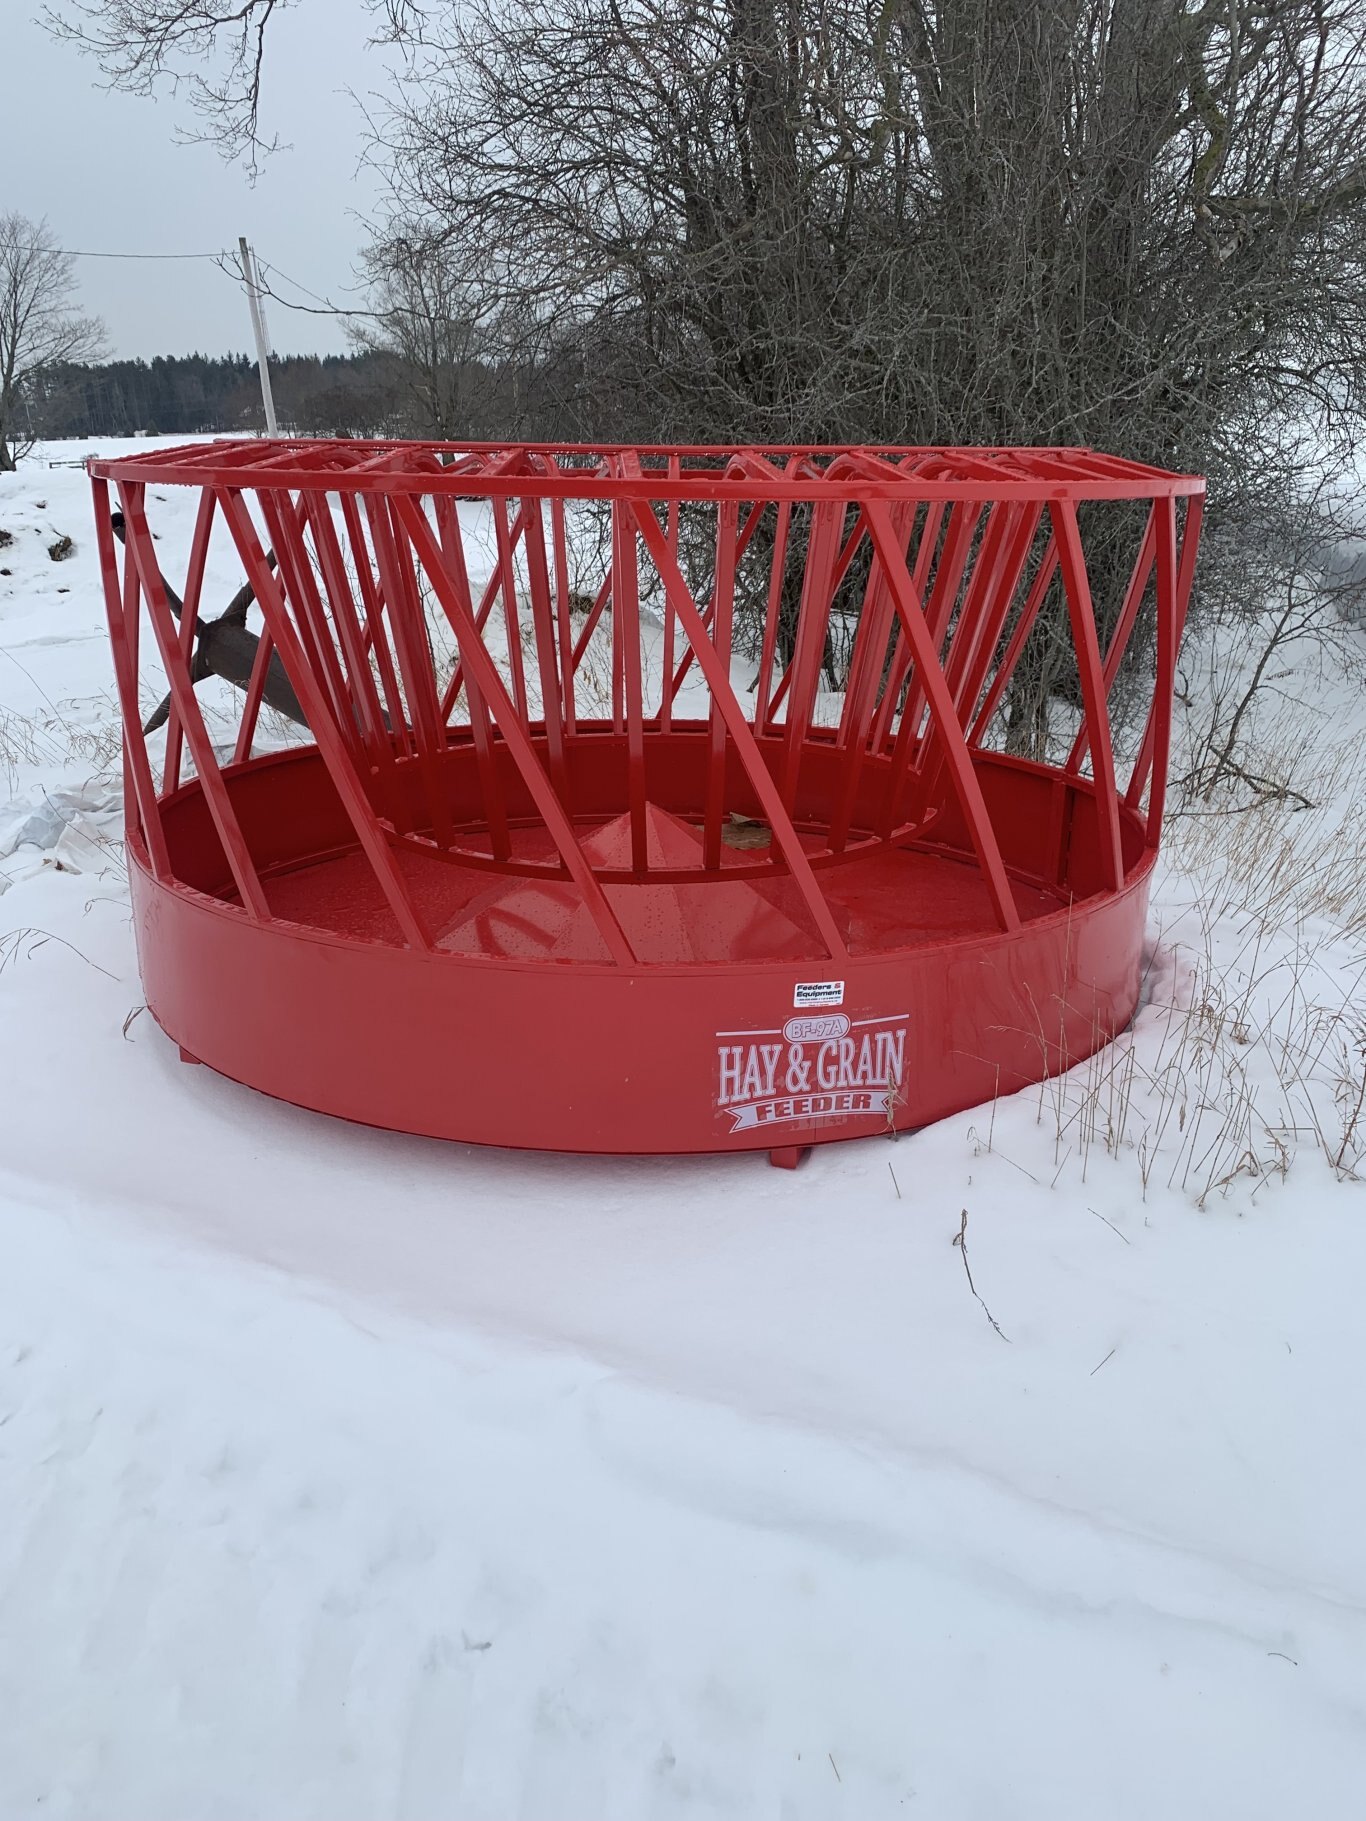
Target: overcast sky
107,172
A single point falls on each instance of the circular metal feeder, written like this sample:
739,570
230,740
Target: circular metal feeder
640,800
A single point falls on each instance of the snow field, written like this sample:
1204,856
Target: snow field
350,1475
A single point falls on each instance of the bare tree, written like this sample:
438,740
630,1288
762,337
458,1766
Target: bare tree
214,50
39,327
995,218
1134,224
443,326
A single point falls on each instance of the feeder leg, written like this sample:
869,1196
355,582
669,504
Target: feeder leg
788,1156
185,1055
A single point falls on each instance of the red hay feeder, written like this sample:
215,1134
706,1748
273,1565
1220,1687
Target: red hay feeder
544,875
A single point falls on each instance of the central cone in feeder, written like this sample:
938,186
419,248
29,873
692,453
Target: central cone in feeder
710,920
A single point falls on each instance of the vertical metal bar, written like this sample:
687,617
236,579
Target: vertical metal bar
1190,543
618,658
870,636
289,590
132,618
492,593
785,836
772,615
130,610
980,597
235,850
563,623
374,736
943,719
1087,645
408,624
723,599
985,607
543,625
667,685
512,622
899,663
481,730
865,672
374,624
131,613
993,621
747,531
358,678
907,748
314,610
121,597
1124,625
299,586
485,672
1165,513
948,576
1023,627
626,631
813,627
189,621
335,756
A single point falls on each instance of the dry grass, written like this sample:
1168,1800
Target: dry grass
1242,1063
1271,865
1249,1049
57,736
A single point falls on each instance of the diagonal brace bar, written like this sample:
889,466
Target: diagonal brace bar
956,756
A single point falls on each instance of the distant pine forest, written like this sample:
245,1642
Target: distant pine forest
198,394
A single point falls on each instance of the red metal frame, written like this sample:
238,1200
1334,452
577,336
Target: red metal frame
648,882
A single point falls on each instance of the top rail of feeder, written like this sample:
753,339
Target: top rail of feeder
651,472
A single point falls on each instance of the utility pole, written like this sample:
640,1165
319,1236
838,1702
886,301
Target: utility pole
258,327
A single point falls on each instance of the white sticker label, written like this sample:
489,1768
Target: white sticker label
817,992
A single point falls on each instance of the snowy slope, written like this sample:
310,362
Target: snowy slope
350,1475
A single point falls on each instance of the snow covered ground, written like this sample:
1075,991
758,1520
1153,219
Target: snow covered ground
349,1475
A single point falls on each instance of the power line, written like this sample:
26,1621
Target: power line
227,264
70,254
77,253
328,308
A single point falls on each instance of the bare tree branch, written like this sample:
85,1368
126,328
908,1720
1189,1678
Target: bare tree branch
39,326
1135,224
